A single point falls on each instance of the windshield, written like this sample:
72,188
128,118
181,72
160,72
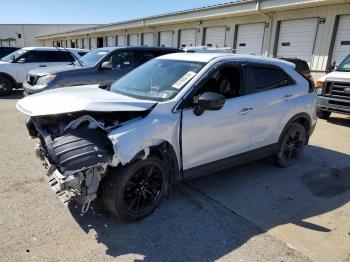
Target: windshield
14,55
91,58
345,65
158,79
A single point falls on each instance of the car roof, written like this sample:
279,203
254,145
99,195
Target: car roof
53,49
160,48
12,47
207,57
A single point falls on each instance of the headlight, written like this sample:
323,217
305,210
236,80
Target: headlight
45,79
319,87
319,84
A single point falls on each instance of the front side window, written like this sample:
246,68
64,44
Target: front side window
158,79
93,57
14,55
122,60
345,65
265,78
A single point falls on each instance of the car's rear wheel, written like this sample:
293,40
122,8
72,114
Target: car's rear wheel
6,86
323,114
292,145
134,191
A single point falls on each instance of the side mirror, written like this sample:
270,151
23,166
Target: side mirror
209,101
21,60
106,66
333,66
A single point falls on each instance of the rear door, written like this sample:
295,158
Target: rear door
274,94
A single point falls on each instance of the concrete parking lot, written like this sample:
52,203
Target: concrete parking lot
254,212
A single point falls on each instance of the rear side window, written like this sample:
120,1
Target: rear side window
48,56
60,56
82,53
265,78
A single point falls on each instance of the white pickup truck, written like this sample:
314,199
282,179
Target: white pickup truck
333,91
15,66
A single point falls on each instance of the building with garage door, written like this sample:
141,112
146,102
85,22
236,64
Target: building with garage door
317,31
22,35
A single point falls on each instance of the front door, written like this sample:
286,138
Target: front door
216,135
122,63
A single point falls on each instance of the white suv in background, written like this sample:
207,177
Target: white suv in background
15,66
174,117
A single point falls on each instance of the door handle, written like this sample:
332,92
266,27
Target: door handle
42,65
288,96
245,110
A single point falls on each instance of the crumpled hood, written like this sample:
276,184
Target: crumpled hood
336,76
54,70
79,98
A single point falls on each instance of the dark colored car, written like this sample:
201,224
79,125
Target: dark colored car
300,65
101,66
6,50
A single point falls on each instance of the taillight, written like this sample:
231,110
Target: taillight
312,86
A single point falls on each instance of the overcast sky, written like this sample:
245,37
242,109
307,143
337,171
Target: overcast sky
90,11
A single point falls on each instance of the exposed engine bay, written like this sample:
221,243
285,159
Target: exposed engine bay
76,150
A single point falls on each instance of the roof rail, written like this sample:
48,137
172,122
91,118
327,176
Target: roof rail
208,49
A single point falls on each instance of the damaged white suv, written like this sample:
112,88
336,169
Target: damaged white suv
177,116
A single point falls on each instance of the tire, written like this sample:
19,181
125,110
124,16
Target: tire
125,189
292,145
6,86
323,114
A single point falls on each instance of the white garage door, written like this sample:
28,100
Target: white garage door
250,38
86,43
148,39
188,37
110,40
133,39
215,36
166,38
296,38
93,43
121,40
342,40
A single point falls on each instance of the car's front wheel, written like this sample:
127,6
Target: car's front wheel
6,86
292,145
132,192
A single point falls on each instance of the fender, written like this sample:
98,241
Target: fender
301,118
14,82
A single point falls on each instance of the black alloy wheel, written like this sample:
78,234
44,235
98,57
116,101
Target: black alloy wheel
5,86
133,191
143,189
292,145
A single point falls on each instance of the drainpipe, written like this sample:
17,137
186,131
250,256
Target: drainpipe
270,23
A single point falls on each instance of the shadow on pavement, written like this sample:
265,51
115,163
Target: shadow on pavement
15,94
341,121
199,222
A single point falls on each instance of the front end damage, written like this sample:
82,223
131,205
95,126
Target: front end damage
77,152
